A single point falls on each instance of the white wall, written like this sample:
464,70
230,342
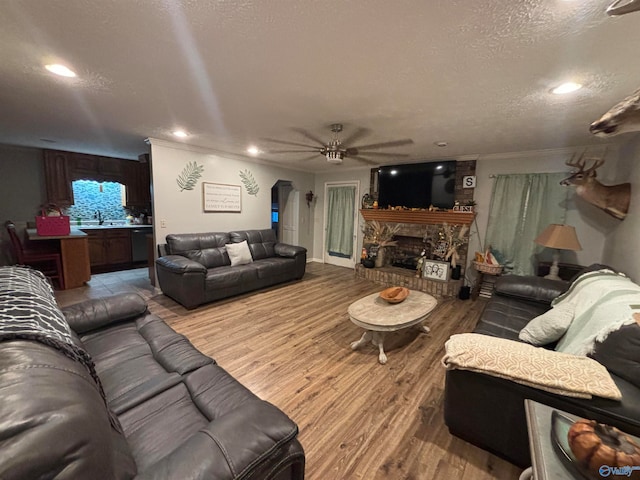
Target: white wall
363,175
592,225
621,246
182,212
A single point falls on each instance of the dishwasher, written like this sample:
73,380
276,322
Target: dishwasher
139,244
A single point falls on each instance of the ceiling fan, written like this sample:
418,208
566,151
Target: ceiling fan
336,150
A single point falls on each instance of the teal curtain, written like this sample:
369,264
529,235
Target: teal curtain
340,211
521,207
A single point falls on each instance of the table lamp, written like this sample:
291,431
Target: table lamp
558,237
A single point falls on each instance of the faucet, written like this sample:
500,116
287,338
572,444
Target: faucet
98,215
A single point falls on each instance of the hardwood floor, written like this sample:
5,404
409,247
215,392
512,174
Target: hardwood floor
290,345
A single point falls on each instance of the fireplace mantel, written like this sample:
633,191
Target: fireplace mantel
423,217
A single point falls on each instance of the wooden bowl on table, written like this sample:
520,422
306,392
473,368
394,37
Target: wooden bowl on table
394,294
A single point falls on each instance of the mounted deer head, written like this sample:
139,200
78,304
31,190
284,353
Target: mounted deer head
621,118
613,199
622,7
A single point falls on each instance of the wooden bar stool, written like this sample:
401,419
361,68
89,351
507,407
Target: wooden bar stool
48,262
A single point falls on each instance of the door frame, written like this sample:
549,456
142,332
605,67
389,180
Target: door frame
292,214
341,262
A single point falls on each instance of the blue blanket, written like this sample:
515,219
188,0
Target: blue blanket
603,301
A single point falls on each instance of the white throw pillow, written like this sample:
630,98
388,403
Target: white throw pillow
239,253
549,326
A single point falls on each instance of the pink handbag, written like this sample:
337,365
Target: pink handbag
48,226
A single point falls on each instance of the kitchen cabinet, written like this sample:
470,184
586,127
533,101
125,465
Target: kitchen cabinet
61,168
93,167
138,183
57,178
109,247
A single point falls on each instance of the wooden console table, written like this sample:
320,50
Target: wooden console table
74,252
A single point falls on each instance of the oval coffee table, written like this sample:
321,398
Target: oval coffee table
378,317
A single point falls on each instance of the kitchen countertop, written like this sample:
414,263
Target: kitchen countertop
107,226
32,234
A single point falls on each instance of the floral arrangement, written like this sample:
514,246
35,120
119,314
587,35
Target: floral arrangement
455,236
381,234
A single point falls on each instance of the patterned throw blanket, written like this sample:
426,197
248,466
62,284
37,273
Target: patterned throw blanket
603,301
555,372
28,311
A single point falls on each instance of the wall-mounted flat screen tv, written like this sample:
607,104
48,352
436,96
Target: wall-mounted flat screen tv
417,185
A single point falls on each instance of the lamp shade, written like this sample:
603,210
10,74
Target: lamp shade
558,236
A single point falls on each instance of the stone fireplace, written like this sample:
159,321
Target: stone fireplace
418,230
416,225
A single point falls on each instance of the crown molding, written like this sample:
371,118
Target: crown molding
547,152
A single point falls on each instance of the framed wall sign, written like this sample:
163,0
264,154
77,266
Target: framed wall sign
218,197
469,181
435,270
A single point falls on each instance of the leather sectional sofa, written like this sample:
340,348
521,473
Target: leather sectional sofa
172,413
195,268
489,412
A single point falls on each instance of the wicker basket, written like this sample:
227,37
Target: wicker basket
487,268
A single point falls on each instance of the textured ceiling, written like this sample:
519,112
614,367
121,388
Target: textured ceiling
475,74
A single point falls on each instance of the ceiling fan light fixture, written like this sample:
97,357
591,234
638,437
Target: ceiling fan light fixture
334,156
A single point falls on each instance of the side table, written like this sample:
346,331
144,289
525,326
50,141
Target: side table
545,462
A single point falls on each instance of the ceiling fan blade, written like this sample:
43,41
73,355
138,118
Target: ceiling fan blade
396,143
291,151
364,160
306,159
360,132
380,154
285,142
303,132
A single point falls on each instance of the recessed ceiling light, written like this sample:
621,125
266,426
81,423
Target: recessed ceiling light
566,87
60,70
253,150
440,144
180,133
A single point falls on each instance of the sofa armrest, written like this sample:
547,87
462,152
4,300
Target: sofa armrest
246,443
180,264
100,312
286,250
182,279
530,288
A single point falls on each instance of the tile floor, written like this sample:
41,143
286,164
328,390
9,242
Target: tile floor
104,284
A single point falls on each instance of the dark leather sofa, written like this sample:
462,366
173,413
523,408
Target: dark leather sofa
181,415
195,268
489,412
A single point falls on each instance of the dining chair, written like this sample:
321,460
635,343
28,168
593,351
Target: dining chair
46,261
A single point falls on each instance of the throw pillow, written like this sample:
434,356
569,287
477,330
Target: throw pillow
549,326
239,253
620,352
